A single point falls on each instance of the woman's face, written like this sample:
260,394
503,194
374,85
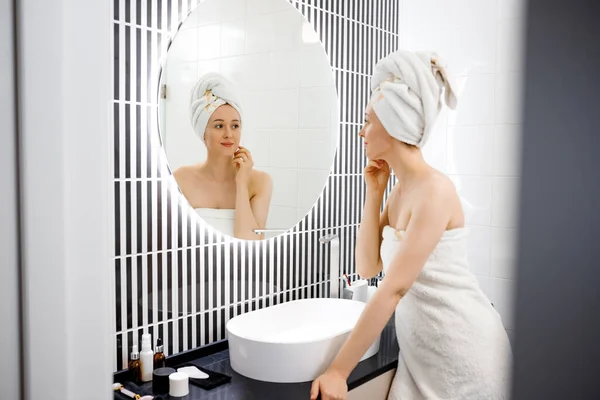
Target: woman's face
376,139
223,132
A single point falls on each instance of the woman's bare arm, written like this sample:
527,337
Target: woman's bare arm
251,212
368,238
425,229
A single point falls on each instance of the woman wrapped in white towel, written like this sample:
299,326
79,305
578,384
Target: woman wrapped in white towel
225,190
452,341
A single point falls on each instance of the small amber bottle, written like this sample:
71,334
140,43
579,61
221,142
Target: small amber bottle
159,356
134,367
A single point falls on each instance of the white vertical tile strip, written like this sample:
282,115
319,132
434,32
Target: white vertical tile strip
271,263
123,278
219,286
155,286
202,289
174,296
298,251
194,262
236,267
185,284
164,17
243,277
227,278
164,289
277,245
211,278
264,267
256,265
144,291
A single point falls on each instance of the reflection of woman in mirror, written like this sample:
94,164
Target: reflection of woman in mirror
452,341
225,190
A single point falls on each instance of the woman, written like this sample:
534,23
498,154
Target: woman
452,342
225,190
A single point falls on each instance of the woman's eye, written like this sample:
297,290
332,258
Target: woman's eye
236,126
218,126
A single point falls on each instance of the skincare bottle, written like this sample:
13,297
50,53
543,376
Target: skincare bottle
146,358
159,356
135,373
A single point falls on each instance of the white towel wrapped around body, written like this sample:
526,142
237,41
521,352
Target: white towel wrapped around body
211,92
406,94
452,342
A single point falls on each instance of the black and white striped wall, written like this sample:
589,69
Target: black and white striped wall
177,278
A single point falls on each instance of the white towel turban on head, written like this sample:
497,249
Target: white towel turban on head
210,92
407,88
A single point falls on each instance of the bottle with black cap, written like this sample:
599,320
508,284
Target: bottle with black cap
159,356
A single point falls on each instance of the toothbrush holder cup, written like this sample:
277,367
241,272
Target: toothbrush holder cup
359,290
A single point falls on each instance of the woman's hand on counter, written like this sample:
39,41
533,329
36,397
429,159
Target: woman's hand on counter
331,385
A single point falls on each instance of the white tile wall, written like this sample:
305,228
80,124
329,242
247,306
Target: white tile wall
501,294
233,37
283,144
479,143
504,201
476,197
509,45
480,249
259,34
503,253
288,25
470,150
232,9
211,48
311,183
507,150
508,98
285,193
314,149
476,94
314,114
286,69
263,6
314,69
212,13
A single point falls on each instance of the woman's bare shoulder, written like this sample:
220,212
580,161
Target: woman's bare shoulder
187,175
440,188
260,182
437,183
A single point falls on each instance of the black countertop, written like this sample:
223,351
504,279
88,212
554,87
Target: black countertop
243,388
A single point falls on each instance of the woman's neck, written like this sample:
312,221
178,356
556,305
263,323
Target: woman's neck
407,162
219,168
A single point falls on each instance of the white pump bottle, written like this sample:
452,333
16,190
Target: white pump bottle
147,358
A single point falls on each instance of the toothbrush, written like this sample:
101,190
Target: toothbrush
348,280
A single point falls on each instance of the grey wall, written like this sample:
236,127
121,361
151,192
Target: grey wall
557,346
10,369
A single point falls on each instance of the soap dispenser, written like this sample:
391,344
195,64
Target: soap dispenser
147,358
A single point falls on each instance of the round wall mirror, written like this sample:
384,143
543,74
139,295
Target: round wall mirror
248,115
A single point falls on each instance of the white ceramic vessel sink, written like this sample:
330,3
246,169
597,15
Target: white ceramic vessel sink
294,341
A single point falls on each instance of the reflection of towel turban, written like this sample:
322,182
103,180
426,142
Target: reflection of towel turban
406,97
211,92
